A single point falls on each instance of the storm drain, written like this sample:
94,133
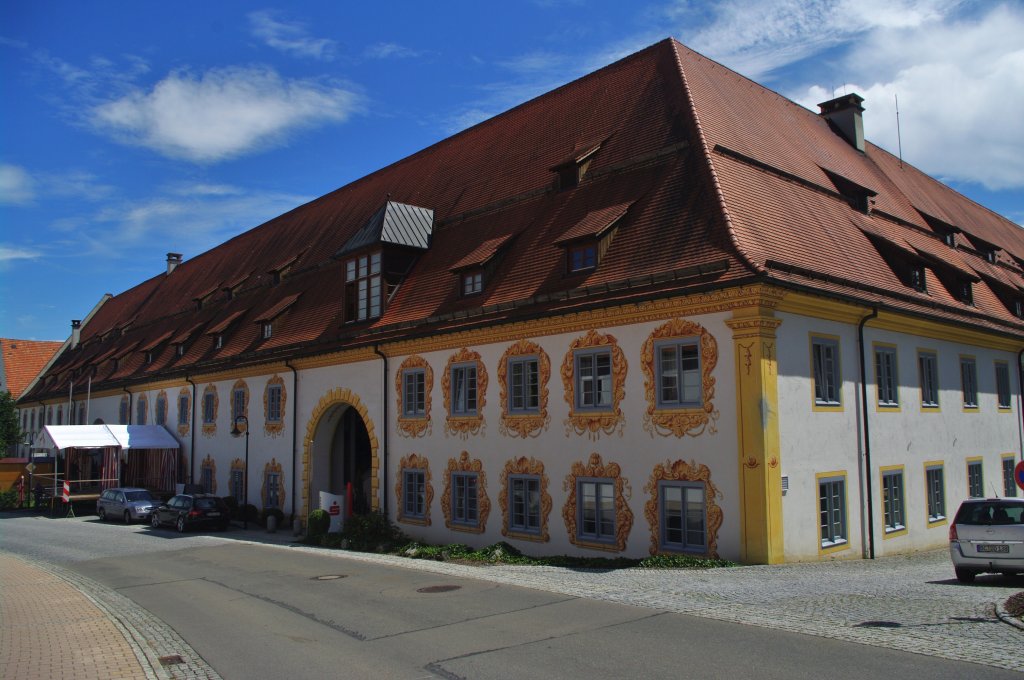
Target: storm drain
171,660
878,624
328,577
437,589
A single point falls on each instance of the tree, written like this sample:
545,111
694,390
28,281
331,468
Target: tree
10,432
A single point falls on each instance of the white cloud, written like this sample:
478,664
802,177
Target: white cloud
386,50
289,37
16,186
8,253
221,114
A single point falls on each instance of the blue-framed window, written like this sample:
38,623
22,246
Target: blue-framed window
679,383
237,403
465,508
683,511
463,385
582,257
160,416
274,403
141,408
523,384
594,379
524,504
414,494
183,409
238,485
596,507
209,412
414,396
207,472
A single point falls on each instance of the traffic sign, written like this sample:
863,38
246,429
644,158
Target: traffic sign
1018,474
30,467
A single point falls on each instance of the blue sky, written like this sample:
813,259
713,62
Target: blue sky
134,129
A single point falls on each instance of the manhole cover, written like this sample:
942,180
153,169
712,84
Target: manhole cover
171,660
328,577
437,589
878,624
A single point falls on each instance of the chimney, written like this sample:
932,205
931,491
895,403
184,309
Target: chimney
844,117
76,332
173,260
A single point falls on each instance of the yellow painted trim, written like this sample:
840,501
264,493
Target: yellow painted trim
939,522
881,498
938,387
879,407
846,510
815,406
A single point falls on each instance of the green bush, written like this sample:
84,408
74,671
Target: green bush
8,500
318,524
331,540
372,532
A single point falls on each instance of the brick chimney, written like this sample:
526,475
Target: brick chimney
76,332
844,117
173,260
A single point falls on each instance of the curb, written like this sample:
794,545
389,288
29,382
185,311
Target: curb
1006,617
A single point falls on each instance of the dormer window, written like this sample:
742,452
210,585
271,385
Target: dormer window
990,256
268,330
949,238
180,350
571,171
218,342
275,277
916,277
582,257
966,292
472,282
149,357
199,304
363,289
859,197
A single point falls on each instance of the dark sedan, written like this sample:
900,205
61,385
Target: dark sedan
186,511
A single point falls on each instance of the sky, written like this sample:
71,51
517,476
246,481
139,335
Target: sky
132,129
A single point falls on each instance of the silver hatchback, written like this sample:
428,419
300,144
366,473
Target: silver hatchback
128,504
987,535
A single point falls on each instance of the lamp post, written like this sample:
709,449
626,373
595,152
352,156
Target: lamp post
235,431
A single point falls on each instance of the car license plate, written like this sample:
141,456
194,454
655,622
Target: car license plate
989,548
213,514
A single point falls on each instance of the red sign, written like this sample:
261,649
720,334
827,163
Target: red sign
335,509
1018,474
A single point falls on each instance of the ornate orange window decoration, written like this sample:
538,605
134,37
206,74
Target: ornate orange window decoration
414,381
208,474
272,491
525,517
184,414
474,506
681,471
274,400
595,469
522,420
679,418
464,400
593,420
413,489
208,410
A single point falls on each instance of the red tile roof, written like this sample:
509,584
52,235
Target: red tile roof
709,178
22,361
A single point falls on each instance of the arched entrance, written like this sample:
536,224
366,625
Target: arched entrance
340,448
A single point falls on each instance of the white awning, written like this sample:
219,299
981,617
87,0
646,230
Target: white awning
101,436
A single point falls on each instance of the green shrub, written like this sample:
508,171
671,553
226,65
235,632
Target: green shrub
318,524
372,532
8,500
331,540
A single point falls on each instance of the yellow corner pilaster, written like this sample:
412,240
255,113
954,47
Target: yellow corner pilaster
757,407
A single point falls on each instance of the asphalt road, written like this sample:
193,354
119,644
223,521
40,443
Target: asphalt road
255,611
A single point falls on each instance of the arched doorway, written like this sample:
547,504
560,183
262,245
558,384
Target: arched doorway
341,448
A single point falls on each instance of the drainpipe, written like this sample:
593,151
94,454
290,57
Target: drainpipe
295,430
384,435
867,431
192,427
1020,393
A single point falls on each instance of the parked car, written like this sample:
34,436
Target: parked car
186,511
126,503
987,535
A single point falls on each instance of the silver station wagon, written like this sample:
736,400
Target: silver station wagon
987,536
129,504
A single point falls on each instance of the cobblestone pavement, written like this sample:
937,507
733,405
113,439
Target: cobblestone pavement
57,624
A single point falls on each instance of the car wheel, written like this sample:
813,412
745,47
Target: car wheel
154,520
181,524
103,514
127,517
964,575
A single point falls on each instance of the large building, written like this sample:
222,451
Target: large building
659,309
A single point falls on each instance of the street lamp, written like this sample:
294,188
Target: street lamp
235,431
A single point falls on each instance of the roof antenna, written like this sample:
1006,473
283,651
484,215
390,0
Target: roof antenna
899,139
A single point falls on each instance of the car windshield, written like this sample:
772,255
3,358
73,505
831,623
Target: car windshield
206,503
138,496
994,512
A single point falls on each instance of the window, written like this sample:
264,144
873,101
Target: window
273,484
464,499
414,393
274,403
965,292
892,500
594,379
472,282
464,390
122,414
969,381
936,493
414,494
916,277
582,257
238,484
60,414
596,521
832,511
141,407
238,399
1003,385
679,374
149,357
363,288
524,387
81,414
160,417
183,409
180,350
1009,485
683,516
825,355
208,479
975,480
928,374
209,408
886,377
218,341
268,330
524,506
